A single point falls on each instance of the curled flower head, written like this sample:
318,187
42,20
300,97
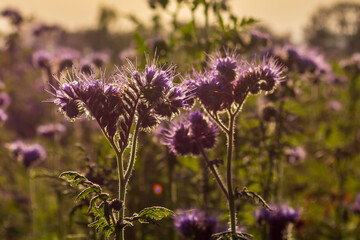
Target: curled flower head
118,101
97,97
278,219
27,153
195,225
230,80
49,130
187,136
255,78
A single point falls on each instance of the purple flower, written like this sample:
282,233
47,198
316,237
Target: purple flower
295,155
65,57
116,102
86,66
356,205
14,16
195,225
278,219
4,100
184,138
3,116
255,78
49,130
99,58
27,153
97,97
259,38
351,64
42,28
41,59
230,80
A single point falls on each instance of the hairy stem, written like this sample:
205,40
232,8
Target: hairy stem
231,199
125,179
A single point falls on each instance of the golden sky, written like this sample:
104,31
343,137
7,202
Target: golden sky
281,15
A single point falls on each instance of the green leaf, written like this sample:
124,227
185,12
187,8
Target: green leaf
84,193
69,175
154,213
247,21
78,180
140,44
231,236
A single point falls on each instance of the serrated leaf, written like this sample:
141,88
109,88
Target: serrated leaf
79,180
93,202
154,213
84,193
69,175
247,21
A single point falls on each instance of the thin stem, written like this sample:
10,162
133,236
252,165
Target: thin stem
216,118
124,180
231,199
133,153
213,170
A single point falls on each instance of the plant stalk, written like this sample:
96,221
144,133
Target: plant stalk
231,199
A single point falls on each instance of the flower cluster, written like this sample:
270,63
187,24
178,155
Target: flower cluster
195,225
187,136
27,153
278,219
127,95
230,80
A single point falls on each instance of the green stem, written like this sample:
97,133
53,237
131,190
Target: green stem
231,199
123,180
213,170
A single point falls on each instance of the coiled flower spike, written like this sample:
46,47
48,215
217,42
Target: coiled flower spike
230,80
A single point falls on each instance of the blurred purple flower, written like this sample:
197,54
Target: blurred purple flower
4,100
3,116
195,225
49,130
295,155
86,66
351,64
99,58
356,205
65,57
259,38
14,16
41,59
335,105
278,219
27,153
42,28
184,138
